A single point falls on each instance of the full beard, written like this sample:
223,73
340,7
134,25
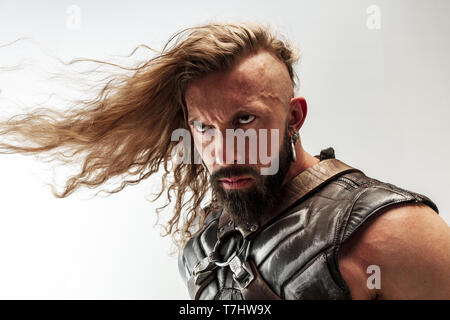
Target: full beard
248,204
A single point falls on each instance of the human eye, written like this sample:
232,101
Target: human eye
199,126
245,119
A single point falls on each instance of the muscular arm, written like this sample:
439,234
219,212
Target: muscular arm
411,246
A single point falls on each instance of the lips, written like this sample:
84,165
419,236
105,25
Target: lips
236,182
233,179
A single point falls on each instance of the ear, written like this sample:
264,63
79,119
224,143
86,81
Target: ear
297,112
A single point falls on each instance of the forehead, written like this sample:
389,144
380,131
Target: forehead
259,77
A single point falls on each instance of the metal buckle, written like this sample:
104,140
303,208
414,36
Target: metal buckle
202,276
242,272
207,263
204,268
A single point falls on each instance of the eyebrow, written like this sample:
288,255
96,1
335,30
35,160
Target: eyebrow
191,120
239,112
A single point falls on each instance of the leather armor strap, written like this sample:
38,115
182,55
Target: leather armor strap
258,289
195,289
295,190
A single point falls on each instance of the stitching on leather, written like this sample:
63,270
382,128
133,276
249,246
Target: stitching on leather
393,188
360,178
346,187
328,198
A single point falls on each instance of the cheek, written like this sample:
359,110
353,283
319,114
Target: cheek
273,123
273,140
204,148
197,142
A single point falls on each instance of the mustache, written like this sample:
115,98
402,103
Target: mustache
232,171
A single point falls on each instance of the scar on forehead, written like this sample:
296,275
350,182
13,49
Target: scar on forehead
265,74
255,75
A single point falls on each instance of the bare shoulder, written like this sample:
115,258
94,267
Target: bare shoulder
409,245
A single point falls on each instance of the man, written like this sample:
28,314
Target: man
281,223
320,246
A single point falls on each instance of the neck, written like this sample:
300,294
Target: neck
303,162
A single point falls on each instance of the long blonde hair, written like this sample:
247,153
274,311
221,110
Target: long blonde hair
127,127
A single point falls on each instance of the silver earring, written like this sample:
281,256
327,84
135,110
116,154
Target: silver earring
293,140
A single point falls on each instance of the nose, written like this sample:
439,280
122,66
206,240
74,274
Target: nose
226,150
220,148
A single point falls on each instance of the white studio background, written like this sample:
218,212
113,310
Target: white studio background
375,75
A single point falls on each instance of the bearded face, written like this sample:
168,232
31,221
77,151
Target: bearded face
255,94
257,194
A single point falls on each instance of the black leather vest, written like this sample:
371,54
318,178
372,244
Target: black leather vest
295,256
